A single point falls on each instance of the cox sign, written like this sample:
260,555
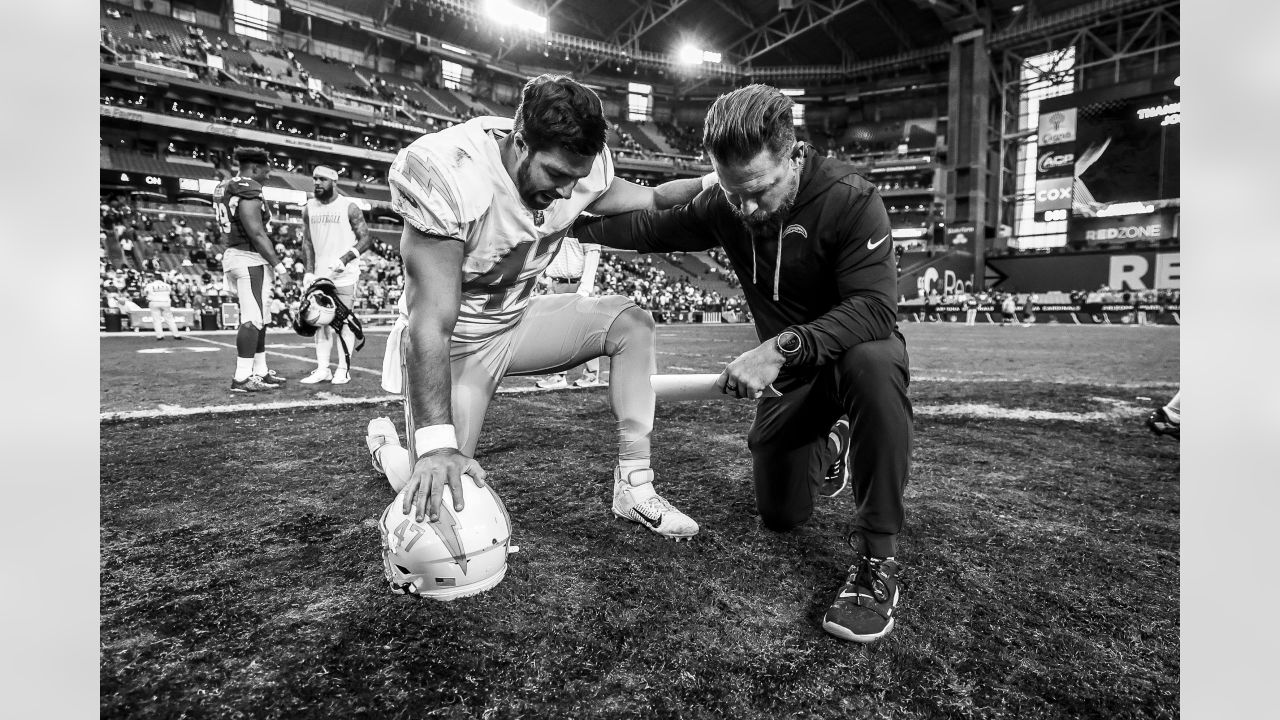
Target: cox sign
1053,194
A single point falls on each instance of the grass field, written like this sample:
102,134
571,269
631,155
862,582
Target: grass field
241,575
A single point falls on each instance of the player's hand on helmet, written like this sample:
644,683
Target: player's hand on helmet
751,372
431,473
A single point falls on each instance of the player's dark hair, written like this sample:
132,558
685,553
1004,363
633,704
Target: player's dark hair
255,155
559,111
742,123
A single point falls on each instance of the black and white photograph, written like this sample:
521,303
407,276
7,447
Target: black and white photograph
740,359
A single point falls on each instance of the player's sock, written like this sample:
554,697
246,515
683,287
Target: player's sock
349,337
260,363
244,368
630,347
395,462
246,342
324,343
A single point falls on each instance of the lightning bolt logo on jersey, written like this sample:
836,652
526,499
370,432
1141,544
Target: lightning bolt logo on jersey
453,184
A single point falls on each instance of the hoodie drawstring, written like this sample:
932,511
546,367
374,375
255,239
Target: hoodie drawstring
777,265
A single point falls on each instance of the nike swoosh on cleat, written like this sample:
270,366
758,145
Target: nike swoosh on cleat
876,244
652,522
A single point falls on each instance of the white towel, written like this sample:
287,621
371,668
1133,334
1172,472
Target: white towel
392,372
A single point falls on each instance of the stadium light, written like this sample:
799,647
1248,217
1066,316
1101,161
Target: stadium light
506,12
690,55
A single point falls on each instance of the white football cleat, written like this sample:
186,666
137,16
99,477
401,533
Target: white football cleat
341,377
636,500
553,383
588,381
318,375
381,432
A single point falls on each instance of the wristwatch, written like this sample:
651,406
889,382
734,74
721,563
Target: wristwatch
788,344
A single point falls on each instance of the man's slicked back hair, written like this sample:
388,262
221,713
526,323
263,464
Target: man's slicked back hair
742,123
557,111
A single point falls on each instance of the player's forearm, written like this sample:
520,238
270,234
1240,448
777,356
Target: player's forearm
308,257
676,192
430,386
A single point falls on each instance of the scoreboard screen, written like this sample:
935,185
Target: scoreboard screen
1129,150
1105,153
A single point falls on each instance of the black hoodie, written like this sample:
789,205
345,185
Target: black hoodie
830,274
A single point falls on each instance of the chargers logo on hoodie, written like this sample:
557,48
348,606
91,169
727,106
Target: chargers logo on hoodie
798,229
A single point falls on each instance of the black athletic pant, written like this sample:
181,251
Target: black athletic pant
790,451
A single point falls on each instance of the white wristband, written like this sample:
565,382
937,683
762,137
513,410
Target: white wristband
434,437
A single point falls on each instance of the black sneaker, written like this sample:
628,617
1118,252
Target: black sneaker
836,480
1160,423
271,378
863,609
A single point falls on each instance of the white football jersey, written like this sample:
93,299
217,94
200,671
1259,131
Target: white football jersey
570,262
331,236
452,184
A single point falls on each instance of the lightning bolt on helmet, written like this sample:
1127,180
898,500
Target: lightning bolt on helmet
461,554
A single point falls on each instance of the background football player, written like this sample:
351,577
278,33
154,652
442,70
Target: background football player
334,235
486,204
573,269
243,217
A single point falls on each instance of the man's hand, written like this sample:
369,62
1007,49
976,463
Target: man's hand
752,371
307,279
337,265
431,473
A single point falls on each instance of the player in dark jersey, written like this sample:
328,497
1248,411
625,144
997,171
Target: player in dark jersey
810,239
243,217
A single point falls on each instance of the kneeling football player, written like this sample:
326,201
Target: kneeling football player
486,205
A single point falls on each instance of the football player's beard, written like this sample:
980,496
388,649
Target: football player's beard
324,195
527,196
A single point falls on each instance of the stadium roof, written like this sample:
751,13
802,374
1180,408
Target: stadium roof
748,34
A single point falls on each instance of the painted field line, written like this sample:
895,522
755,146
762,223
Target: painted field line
988,380
291,356
321,399
1117,410
982,411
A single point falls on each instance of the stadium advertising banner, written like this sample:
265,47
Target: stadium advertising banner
1057,127
1159,225
953,273
1053,198
159,184
1120,271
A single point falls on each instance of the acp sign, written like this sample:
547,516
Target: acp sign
1055,162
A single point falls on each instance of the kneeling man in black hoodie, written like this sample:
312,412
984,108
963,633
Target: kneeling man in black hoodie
810,240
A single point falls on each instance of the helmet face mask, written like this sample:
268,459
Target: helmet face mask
462,554
319,310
